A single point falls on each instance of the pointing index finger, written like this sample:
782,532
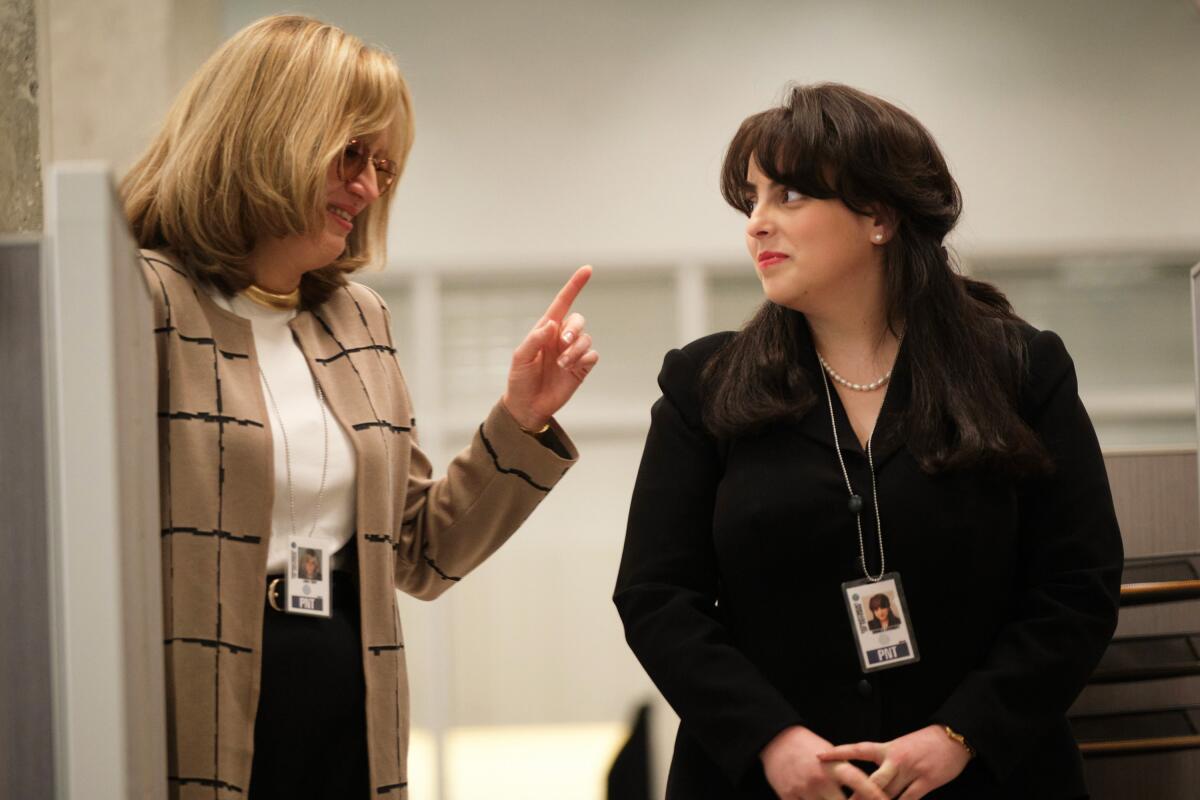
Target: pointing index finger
566,296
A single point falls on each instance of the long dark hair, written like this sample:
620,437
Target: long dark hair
962,340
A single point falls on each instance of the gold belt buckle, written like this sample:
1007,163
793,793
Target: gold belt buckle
273,594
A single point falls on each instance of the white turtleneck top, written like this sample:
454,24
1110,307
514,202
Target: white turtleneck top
290,381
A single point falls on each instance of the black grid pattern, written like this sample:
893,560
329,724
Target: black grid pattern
219,535
176,342
348,344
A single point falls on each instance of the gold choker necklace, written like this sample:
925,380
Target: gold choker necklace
282,302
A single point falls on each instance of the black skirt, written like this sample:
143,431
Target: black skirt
310,734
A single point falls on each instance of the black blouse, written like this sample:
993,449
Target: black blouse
729,586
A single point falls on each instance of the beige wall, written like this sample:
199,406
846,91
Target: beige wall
20,167
88,79
575,131
114,66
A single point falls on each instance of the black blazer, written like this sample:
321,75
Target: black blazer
729,586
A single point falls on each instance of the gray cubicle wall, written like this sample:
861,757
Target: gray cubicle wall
102,490
26,744
81,662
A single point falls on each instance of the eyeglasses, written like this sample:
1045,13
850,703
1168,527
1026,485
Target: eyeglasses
354,160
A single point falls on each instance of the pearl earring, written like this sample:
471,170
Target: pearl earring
879,237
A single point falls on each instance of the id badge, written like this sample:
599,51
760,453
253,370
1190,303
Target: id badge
308,578
883,630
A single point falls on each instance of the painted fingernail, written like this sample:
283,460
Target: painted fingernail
568,337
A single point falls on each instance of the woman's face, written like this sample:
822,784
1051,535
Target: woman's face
882,613
277,264
345,200
808,253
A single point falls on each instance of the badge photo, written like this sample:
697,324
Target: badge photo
308,578
883,630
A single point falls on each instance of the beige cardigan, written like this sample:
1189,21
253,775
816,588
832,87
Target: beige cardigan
413,532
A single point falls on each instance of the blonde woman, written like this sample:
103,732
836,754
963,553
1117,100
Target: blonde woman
286,426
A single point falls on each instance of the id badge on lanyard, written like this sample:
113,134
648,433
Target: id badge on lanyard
308,577
879,619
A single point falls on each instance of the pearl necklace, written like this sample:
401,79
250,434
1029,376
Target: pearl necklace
856,502
858,387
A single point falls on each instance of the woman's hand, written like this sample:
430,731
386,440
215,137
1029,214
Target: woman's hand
794,772
552,361
911,766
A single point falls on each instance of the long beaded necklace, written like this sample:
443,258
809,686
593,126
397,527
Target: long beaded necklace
287,454
856,502
881,647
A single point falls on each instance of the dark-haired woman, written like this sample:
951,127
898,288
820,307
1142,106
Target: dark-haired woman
882,616
881,422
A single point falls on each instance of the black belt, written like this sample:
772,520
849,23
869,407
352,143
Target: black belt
345,586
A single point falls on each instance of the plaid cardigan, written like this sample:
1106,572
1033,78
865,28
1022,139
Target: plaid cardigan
412,532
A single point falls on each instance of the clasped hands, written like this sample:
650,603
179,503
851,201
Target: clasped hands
552,361
800,765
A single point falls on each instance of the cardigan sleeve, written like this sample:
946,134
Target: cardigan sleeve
452,524
1065,607
667,587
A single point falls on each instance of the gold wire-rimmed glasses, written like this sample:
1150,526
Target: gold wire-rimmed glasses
354,160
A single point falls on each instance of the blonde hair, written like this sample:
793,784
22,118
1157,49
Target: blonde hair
245,151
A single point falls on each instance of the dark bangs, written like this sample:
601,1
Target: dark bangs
966,345
792,145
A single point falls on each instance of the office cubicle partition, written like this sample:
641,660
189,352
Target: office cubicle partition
26,744
83,663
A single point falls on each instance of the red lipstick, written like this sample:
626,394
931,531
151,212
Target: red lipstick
769,258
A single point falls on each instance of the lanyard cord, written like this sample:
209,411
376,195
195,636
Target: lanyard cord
287,454
856,502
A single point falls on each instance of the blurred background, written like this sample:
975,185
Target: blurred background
551,134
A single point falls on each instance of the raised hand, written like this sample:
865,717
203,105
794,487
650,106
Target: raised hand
794,772
552,361
910,766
